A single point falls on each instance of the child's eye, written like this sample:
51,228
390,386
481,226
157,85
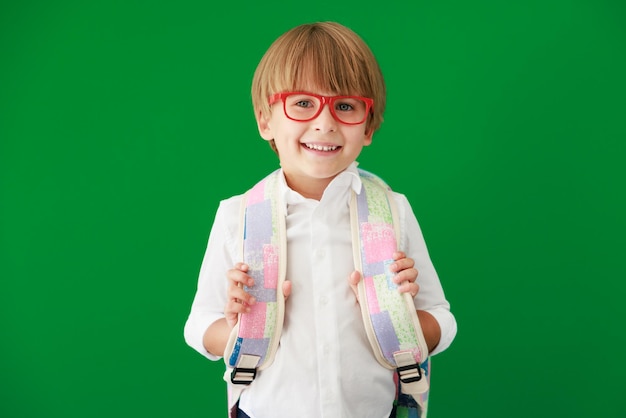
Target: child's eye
344,107
303,103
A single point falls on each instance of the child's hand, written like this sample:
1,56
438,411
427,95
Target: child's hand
238,300
405,276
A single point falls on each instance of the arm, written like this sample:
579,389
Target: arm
210,298
433,309
430,328
216,337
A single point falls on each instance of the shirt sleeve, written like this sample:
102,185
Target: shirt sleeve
431,297
220,256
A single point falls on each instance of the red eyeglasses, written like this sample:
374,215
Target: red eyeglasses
303,107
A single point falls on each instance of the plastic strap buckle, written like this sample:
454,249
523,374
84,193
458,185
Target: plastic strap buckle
409,374
242,376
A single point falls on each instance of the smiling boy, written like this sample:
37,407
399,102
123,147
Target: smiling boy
318,96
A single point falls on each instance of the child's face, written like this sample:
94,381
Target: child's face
312,153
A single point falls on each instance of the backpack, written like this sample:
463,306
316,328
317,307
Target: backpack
390,317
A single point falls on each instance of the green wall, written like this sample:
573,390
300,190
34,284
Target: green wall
123,123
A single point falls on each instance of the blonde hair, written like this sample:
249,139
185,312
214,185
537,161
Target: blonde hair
325,56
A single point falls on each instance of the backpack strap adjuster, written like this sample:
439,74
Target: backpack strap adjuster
245,371
408,368
409,374
242,376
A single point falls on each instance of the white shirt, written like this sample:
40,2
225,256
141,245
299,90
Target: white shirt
324,366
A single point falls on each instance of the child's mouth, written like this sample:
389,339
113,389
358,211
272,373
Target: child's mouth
324,148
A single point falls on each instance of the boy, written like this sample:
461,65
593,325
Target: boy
324,366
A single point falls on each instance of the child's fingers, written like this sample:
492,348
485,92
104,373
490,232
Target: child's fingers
408,287
402,263
239,295
238,300
407,275
238,275
398,255
234,308
241,266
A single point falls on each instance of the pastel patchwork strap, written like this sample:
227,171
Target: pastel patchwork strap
254,340
390,317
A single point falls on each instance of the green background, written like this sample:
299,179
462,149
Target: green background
123,123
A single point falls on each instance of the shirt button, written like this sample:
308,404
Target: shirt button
323,300
321,253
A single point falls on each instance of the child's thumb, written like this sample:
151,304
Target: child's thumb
354,279
286,288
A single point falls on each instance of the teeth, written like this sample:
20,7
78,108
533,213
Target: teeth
321,147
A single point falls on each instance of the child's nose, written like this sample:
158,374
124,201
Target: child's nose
325,121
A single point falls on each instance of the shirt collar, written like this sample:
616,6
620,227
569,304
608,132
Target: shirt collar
353,173
348,177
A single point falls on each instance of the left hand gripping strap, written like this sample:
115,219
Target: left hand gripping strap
390,317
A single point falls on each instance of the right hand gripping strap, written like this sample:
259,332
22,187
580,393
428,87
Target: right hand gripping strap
253,342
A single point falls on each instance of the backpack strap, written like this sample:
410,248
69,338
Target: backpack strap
390,317
254,340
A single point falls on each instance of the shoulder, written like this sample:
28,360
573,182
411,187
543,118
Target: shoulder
227,205
229,210
227,218
403,207
230,207
400,200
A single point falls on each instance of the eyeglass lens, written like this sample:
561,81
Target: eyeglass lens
345,109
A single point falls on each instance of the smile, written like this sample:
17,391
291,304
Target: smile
321,147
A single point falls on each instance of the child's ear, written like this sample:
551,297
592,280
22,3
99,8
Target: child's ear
264,127
368,137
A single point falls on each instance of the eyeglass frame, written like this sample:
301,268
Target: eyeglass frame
369,105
